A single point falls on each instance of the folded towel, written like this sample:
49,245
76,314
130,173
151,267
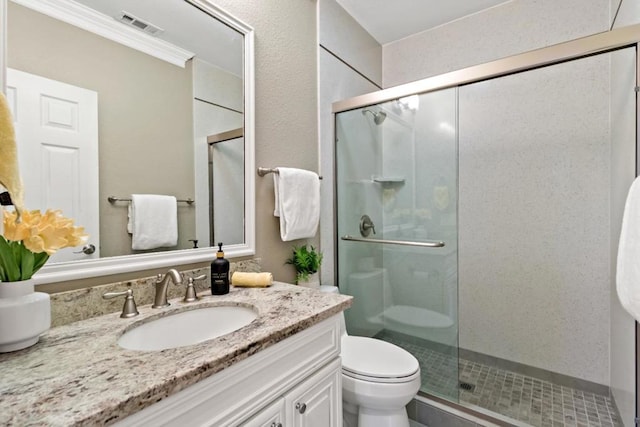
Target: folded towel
628,271
251,280
297,199
153,221
9,174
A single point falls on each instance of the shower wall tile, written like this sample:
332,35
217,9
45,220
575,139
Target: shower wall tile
344,37
622,333
534,235
514,27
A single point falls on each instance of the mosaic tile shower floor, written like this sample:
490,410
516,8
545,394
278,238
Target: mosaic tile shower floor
519,397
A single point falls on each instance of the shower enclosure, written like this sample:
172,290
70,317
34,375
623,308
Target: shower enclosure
477,224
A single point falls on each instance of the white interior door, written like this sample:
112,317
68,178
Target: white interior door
57,134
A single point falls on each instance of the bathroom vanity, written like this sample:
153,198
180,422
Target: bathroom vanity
281,369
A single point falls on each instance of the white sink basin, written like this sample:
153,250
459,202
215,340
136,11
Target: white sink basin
187,328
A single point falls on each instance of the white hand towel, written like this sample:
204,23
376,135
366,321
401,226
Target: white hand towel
153,221
297,199
628,271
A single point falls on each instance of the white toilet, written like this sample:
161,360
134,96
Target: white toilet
378,380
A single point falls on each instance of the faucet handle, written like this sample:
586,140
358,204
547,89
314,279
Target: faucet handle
366,226
190,295
129,309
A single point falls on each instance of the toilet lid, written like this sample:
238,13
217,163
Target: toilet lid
377,359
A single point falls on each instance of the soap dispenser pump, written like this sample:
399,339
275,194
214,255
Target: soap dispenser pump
220,273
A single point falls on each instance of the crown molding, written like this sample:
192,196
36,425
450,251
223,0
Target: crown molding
88,19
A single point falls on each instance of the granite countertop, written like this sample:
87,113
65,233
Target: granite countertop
78,375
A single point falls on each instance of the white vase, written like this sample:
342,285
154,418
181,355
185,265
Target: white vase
313,281
24,315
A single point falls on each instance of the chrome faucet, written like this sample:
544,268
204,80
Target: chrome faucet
162,283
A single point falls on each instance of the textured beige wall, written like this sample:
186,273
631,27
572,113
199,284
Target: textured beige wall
144,108
286,107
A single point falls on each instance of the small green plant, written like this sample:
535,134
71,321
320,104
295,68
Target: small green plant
306,262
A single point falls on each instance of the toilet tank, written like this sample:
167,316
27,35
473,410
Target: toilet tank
335,290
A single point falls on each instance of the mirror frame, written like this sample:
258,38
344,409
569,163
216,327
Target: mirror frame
59,272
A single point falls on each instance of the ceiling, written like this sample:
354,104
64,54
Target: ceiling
385,20
388,21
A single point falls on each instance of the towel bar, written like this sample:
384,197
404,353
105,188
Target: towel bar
113,199
265,171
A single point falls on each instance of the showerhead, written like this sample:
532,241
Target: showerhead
378,117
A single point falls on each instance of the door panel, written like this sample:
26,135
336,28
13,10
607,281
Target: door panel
57,134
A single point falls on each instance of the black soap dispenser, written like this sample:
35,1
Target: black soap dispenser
220,274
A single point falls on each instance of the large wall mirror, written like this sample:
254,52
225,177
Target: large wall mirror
122,97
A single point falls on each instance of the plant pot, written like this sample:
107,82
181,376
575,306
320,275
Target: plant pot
24,315
313,281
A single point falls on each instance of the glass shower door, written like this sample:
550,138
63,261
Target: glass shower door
396,182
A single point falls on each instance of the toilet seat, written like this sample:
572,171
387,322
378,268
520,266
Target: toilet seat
373,360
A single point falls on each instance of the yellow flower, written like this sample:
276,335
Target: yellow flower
13,230
48,232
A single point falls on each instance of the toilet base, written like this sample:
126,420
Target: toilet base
367,417
349,414
371,418
354,416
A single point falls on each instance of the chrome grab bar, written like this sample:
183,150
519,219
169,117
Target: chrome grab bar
394,242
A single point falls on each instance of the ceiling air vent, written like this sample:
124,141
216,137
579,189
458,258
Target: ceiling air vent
134,21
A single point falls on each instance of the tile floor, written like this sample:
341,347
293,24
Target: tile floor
526,399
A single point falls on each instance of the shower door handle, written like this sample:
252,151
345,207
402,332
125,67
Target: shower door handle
432,244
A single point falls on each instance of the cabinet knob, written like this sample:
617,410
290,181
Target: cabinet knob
301,407
274,424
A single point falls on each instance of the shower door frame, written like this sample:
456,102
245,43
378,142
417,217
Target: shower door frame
608,41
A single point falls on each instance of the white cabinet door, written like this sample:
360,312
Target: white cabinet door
271,416
316,402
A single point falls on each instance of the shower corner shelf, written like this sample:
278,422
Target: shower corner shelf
389,180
